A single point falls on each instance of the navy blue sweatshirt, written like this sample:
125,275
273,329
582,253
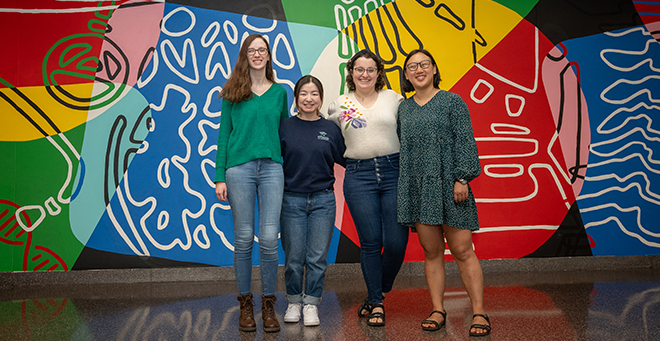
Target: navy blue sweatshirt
309,151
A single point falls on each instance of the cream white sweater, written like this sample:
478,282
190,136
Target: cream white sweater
367,132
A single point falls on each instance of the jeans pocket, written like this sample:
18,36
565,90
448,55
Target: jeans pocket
352,167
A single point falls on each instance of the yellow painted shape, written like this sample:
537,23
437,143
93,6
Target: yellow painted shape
14,126
451,47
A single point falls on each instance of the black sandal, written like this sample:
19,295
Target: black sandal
436,325
365,306
480,326
376,315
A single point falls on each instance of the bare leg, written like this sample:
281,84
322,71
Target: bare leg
460,245
432,240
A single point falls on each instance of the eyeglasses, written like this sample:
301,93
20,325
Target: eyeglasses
261,50
361,70
425,64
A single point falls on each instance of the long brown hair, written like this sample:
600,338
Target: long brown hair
239,86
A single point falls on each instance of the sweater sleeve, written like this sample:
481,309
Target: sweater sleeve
223,139
285,106
466,157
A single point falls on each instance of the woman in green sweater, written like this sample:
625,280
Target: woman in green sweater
248,166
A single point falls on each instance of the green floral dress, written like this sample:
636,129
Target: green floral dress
437,147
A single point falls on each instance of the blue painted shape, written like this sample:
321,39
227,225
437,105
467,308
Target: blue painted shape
166,206
311,40
620,200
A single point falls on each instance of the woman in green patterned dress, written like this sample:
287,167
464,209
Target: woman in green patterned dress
438,160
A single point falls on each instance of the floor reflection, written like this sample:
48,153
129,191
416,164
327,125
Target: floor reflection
549,306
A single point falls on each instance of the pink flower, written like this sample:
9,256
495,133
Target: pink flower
347,115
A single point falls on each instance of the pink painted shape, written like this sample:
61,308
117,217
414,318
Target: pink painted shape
574,123
134,30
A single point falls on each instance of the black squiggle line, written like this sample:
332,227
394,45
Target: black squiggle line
136,4
37,109
578,138
143,63
405,24
106,56
106,175
387,39
425,5
460,27
23,113
553,58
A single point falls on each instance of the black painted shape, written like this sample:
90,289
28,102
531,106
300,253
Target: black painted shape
347,251
269,9
570,239
561,20
90,259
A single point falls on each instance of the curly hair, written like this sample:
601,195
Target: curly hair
380,82
406,86
239,86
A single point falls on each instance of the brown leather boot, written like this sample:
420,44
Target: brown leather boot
268,313
246,321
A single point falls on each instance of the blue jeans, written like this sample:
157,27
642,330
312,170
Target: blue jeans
370,187
261,179
308,221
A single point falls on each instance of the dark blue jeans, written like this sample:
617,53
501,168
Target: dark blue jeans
307,223
370,187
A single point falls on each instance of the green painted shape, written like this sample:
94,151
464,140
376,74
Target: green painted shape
38,171
320,12
522,7
313,40
54,318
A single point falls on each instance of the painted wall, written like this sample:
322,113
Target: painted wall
109,116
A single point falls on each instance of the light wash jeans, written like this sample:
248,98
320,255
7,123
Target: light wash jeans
307,221
263,180
370,187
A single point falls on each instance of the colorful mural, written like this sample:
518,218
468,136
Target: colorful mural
109,116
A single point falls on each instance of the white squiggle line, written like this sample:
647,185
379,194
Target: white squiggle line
519,167
231,39
633,109
69,174
207,42
618,208
127,214
208,179
55,210
216,229
603,95
623,159
257,29
292,60
181,60
204,243
629,144
634,53
225,71
628,133
629,31
521,130
623,229
20,210
515,139
490,87
209,99
625,179
619,189
516,228
59,10
292,109
536,187
555,136
342,38
512,83
193,21
200,146
123,234
164,173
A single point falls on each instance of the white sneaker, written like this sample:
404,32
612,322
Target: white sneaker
292,314
311,315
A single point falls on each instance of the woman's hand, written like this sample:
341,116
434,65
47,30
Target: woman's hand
460,192
221,191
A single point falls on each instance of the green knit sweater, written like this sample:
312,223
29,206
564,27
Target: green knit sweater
249,130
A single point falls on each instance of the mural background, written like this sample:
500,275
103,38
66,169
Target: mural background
109,115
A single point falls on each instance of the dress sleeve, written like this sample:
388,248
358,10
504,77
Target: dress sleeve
223,139
466,156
